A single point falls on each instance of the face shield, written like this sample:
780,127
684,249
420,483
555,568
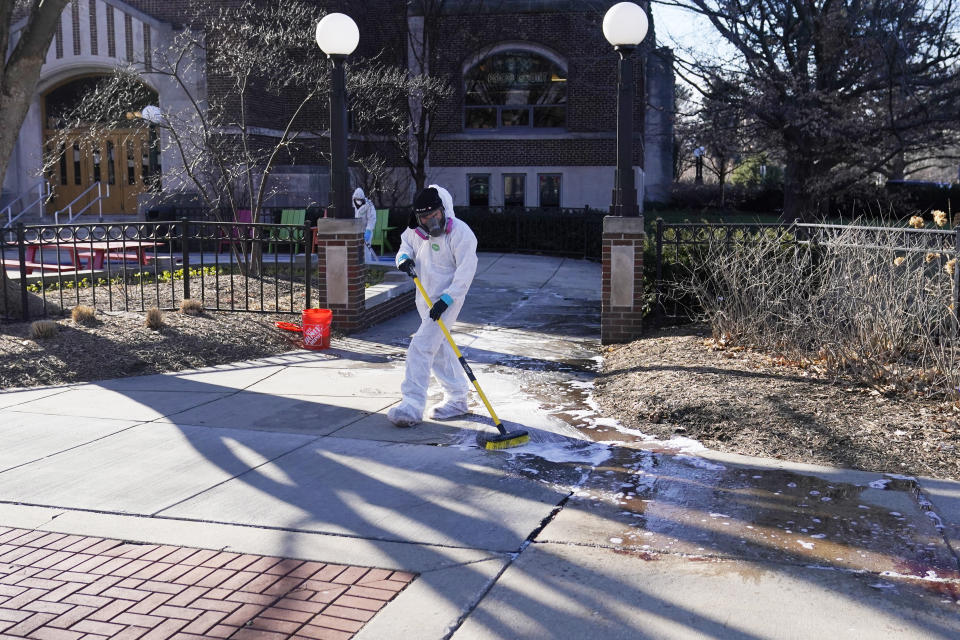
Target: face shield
432,222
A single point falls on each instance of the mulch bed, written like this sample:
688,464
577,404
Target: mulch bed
119,344
679,382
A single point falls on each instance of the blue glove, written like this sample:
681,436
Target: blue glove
367,236
407,267
440,306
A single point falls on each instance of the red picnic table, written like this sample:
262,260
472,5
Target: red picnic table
96,253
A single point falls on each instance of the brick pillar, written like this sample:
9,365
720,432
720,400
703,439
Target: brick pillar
342,271
621,318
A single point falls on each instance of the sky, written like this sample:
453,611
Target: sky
684,30
676,25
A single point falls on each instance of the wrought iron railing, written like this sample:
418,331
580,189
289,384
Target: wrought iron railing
679,248
258,268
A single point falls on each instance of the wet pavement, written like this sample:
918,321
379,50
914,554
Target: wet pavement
590,530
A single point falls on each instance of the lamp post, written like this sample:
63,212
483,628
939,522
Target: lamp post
698,154
337,35
624,26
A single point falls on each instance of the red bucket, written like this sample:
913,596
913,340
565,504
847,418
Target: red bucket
316,328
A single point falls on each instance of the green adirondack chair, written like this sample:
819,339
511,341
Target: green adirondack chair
288,216
380,231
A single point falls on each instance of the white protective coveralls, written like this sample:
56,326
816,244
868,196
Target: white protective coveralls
446,266
369,214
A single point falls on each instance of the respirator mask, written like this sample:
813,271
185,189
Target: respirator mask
432,222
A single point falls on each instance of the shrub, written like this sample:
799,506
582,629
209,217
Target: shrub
154,319
191,307
764,198
82,314
40,329
855,302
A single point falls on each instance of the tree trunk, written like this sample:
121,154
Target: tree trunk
11,304
18,81
898,167
19,76
797,199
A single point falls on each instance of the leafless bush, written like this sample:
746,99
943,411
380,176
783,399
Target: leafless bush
873,303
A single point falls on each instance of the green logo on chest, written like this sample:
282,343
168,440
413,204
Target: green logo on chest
435,246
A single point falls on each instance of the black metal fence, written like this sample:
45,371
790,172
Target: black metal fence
568,232
258,268
573,233
682,247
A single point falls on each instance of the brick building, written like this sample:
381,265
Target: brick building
531,121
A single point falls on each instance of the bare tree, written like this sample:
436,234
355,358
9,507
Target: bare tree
19,75
21,69
408,99
722,130
265,91
840,88
685,130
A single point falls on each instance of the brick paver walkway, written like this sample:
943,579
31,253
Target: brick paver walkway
65,587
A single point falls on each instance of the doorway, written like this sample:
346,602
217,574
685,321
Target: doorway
125,161
122,161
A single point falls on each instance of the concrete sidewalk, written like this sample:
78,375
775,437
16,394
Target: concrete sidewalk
588,531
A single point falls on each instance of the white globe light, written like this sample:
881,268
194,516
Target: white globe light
625,24
337,34
152,114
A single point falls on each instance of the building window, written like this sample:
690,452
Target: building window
515,89
549,190
513,190
94,48
111,167
147,48
131,164
111,33
58,38
128,35
76,164
63,164
75,26
478,186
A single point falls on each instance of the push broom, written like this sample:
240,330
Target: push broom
505,439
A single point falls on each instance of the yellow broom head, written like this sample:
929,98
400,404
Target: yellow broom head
507,441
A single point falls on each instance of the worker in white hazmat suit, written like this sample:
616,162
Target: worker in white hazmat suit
442,250
363,208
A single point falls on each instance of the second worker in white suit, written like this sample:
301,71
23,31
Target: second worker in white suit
363,208
442,250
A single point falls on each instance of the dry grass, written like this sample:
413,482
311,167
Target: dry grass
41,329
154,319
82,314
191,307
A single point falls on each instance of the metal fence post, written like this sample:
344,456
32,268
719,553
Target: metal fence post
658,284
956,281
185,257
584,221
308,261
516,244
22,255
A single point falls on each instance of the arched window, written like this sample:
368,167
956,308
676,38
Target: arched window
512,89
